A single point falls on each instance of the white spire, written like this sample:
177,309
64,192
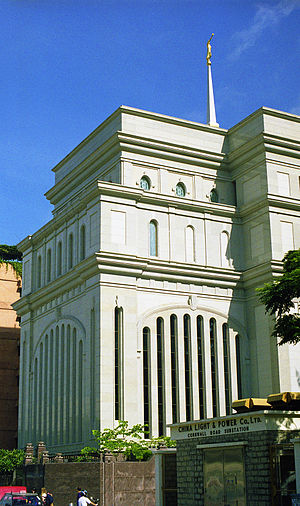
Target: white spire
211,111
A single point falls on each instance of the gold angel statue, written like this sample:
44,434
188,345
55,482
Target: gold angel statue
208,55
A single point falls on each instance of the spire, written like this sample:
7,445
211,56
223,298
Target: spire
211,111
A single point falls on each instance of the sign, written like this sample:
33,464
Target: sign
235,424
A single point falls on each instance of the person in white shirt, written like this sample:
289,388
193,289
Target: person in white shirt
84,500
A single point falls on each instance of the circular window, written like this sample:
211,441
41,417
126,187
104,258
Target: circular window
145,183
214,197
180,190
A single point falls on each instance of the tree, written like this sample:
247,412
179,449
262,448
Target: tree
10,255
279,297
11,460
127,440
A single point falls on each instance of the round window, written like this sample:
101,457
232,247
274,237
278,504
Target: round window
145,183
180,190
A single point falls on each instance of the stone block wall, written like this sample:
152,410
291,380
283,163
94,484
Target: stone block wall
258,471
113,483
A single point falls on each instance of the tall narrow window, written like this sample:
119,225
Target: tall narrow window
213,365
226,369
70,251
238,365
174,375
200,366
39,272
118,362
187,368
160,374
49,266
153,238
189,244
82,242
146,379
59,259
225,253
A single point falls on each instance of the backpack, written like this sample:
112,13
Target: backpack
49,499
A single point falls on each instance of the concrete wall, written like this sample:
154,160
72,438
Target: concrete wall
113,483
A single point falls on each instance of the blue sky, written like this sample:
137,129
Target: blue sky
66,65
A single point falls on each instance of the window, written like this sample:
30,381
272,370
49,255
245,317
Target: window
214,197
200,366
118,362
59,259
146,379
187,368
238,365
49,265
180,190
70,251
160,374
39,272
226,369
213,365
145,183
225,253
174,377
189,244
153,238
82,242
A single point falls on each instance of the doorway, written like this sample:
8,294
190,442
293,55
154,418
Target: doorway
224,477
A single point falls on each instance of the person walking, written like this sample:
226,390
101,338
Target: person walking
84,500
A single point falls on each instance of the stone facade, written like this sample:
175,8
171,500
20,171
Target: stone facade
10,287
260,448
139,298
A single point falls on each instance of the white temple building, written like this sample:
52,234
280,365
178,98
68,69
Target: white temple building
139,297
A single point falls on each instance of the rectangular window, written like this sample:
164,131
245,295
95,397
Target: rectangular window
118,227
283,182
287,236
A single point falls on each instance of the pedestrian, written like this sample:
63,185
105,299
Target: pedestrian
79,494
84,500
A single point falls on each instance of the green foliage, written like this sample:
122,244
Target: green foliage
278,298
10,255
11,459
127,440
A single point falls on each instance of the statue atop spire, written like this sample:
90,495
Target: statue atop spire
211,111
208,55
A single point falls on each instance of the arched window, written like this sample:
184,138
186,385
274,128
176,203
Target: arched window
213,365
82,242
187,366
225,254
70,251
160,375
49,266
238,365
174,370
214,197
118,362
153,238
146,379
189,244
180,190
39,272
226,368
59,259
201,377
145,183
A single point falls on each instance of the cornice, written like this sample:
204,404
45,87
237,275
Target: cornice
67,281
259,274
149,197
146,268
